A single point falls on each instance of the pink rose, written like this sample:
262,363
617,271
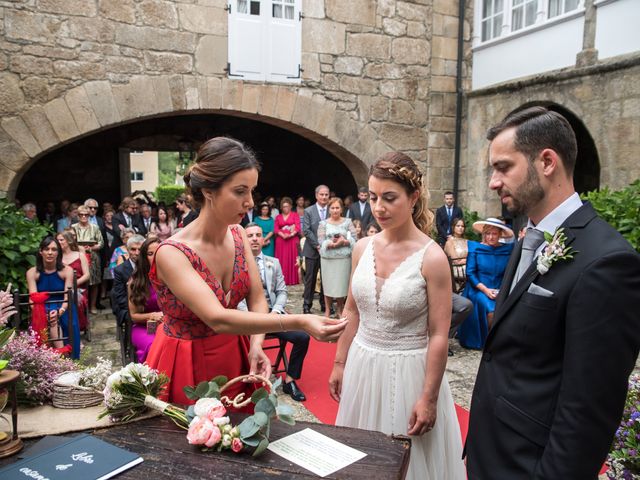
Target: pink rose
210,408
202,431
236,445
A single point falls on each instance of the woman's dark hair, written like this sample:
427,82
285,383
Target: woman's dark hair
217,160
262,205
374,225
454,222
400,168
46,241
139,286
166,214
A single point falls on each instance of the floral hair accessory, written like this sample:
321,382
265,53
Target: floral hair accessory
554,251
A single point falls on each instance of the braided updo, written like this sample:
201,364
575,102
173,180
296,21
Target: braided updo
218,159
401,169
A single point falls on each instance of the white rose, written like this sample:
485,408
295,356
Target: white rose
222,421
228,428
226,440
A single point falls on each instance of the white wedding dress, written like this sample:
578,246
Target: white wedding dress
385,369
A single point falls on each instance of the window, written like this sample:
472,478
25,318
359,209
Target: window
287,7
523,13
558,7
265,40
492,14
137,176
500,18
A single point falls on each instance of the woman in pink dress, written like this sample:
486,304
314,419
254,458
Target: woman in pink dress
287,230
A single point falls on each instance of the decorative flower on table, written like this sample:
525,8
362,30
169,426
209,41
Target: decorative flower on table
554,251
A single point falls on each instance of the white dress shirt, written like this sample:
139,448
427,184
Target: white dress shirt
556,217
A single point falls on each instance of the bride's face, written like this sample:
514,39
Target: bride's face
390,204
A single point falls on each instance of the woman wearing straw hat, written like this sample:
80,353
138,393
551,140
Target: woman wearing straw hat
486,263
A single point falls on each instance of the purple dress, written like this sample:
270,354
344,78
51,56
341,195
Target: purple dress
140,339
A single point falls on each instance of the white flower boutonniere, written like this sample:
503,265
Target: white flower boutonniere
269,264
554,251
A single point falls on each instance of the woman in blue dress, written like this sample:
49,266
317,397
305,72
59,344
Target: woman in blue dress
51,275
486,263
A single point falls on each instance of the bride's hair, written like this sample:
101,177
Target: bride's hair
400,168
218,159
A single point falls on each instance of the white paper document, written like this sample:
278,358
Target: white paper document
315,452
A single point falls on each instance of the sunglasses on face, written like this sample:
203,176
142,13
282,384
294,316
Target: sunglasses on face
83,214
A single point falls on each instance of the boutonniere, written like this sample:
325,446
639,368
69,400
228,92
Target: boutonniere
269,264
554,251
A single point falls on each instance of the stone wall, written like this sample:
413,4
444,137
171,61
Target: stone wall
378,75
605,97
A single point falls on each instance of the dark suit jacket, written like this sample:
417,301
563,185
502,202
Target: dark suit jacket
443,223
245,220
310,224
552,381
118,219
119,292
366,218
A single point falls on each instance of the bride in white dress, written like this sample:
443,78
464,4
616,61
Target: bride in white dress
388,373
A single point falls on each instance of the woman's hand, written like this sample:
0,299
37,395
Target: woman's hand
335,381
259,363
156,316
423,416
324,329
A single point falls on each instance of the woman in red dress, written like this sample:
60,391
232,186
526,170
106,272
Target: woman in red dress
204,271
287,230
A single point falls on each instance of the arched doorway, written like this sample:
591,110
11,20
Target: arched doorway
292,164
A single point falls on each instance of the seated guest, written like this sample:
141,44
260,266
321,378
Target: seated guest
357,225
457,251
51,275
275,291
372,229
486,263
121,275
143,301
75,259
120,254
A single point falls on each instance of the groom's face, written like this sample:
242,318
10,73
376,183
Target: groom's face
514,177
254,235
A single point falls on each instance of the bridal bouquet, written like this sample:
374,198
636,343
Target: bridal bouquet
135,388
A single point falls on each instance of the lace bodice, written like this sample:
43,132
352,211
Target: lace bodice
393,311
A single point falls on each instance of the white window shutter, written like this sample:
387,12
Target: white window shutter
246,32
285,48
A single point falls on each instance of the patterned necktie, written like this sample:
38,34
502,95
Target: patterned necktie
323,215
532,240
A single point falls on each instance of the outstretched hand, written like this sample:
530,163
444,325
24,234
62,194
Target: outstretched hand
324,329
259,363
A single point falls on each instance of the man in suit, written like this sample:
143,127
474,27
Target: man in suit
445,215
125,218
121,275
248,218
361,210
552,381
313,215
145,219
276,293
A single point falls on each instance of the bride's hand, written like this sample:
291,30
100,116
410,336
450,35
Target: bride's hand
423,417
259,363
324,329
335,381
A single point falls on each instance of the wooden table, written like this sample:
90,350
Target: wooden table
167,454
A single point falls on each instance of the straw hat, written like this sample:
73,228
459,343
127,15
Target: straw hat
506,232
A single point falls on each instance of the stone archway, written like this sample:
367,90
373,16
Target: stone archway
99,105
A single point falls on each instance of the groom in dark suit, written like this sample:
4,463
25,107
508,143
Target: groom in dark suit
553,377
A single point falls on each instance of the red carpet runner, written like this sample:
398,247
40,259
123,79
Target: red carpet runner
315,384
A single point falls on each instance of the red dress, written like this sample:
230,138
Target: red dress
287,249
185,348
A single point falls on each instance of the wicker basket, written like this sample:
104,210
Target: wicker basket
74,396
